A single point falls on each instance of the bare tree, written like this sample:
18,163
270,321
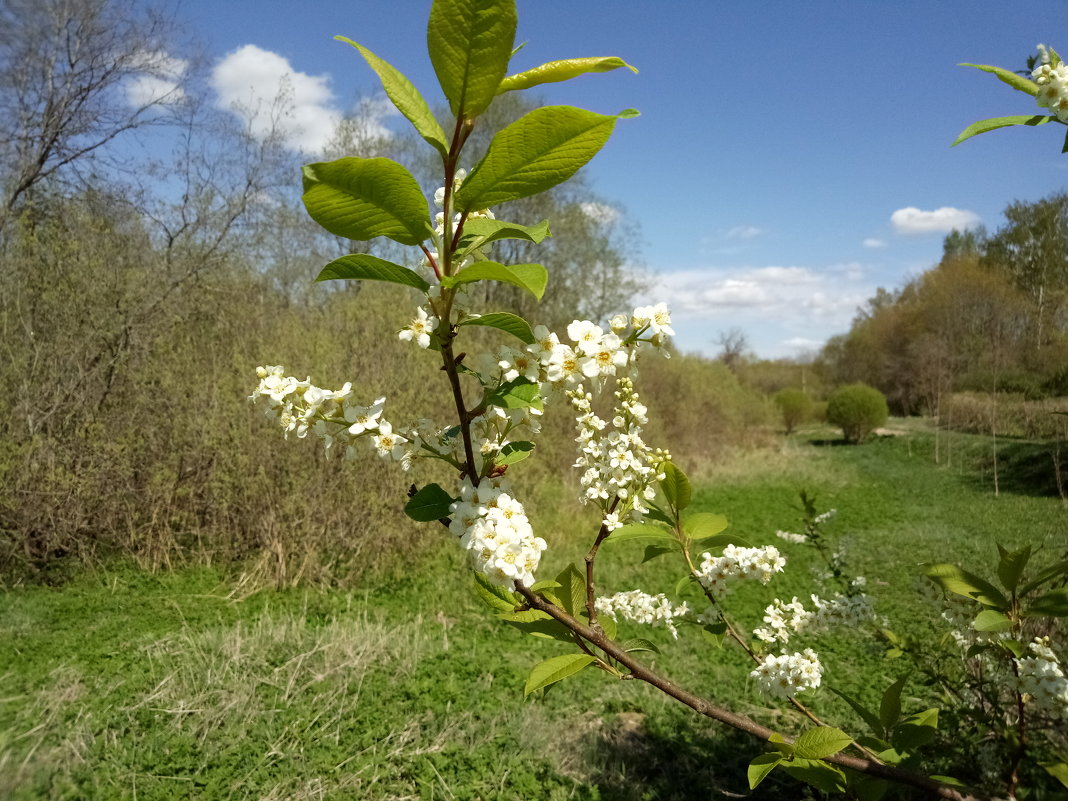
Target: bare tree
75,75
733,347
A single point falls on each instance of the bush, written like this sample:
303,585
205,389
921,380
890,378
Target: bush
794,405
858,410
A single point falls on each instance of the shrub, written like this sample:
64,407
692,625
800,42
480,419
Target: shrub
794,405
857,409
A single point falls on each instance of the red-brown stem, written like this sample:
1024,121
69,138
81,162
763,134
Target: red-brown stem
431,260
449,363
708,709
591,594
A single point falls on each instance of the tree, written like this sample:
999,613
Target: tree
75,75
733,347
858,410
795,406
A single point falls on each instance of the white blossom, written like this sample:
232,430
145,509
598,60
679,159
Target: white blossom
419,329
640,607
786,675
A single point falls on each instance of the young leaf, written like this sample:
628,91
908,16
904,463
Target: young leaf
514,452
1058,770
992,124
572,590
991,620
519,393
638,644
916,730
365,267
481,231
953,579
676,487
405,97
430,503
553,670
1011,566
536,152
1017,82
715,632
820,742
546,628
640,531
495,597
760,767
564,70
366,198
531,277
504,321
1053,603
1051,572
470,44
704,525
719,541
890,708
819,774
867,715
653,551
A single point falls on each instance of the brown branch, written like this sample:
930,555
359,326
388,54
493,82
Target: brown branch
708,709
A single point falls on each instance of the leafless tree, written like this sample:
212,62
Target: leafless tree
75,75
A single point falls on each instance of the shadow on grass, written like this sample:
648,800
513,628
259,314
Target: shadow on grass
636,758
1025,467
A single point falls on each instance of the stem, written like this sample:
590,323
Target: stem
740,722
590,557
449,364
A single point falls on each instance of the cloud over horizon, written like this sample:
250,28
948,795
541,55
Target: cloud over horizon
912,221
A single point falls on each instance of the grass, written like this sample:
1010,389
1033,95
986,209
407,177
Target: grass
127,685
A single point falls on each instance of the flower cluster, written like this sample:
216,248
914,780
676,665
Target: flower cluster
493,527
786,619
1052,79
640,607
420,329
619,469
1042,679
789,536
786,675
716,572
300,407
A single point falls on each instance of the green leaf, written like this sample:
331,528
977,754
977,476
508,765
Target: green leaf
544,628
992,124
531,277
991,620
820,742
819,774
1051,572
1017,82
482,231
553,670
572,590
519,393
948,780
916,730
364,267
514,452
366,198
704,524
640,531
719,541
866,715
1014,647
405,97
536,152
564,70
715,632
653,551
470,43
1011,566
778,742
890,707
504,321
657,514
638,644
676,487
1058,770
1054,604
544,584
429,503
760,767
495,597
953,579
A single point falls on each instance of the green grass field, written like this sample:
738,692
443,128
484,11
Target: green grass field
127,685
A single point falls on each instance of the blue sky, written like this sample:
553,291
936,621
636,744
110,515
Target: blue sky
777,140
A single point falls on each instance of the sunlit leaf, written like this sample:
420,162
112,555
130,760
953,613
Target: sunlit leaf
429,503
553,670
531,277
564,70
992,124
365,267
1017,82
470,43
507,322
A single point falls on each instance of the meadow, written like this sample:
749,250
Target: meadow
128,684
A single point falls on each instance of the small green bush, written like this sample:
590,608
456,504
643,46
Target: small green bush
858,410
794,405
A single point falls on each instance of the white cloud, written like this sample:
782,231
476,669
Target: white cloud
872,242
802,343
158,81
600,212
913,222
275,99
743,232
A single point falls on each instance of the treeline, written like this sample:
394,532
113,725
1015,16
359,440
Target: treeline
138,295
991,318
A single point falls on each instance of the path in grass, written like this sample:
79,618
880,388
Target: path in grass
125,685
